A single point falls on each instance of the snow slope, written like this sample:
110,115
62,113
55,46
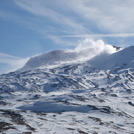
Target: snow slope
123,58
58,57
92,96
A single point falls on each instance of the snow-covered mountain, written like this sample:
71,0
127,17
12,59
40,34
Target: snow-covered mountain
70,92
58,57
123,58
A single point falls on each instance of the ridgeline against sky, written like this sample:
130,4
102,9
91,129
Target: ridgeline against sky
32,27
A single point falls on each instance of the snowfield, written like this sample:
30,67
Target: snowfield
53,94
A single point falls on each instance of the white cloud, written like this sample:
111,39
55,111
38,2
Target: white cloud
76,18
10,63
96,35
79,18
57,22
112,16
39,8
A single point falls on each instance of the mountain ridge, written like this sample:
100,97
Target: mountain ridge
81,97
58,57
121,58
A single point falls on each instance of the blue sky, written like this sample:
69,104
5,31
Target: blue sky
30,27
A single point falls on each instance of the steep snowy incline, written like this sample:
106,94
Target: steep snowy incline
123,58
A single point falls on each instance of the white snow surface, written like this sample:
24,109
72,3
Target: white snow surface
90,96
83,52
124,58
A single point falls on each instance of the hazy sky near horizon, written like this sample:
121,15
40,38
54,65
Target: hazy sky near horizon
30,27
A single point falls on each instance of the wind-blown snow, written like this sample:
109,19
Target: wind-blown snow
123,58
86,50
96,47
